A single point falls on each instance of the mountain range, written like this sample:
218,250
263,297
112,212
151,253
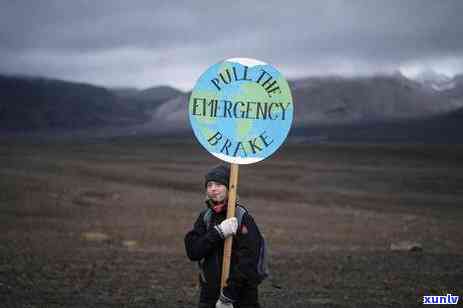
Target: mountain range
31,104
339,103
391,103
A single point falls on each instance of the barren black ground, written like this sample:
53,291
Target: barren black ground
101,224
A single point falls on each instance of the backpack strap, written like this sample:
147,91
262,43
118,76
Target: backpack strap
207,218
239,214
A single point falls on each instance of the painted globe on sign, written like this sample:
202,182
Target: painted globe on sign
241,110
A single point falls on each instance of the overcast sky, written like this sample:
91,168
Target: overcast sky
146,43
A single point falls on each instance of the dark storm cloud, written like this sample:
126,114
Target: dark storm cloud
151,42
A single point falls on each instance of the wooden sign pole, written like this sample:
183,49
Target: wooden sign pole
227,248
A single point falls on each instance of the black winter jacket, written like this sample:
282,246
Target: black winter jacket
204,244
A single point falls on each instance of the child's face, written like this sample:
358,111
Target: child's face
216,192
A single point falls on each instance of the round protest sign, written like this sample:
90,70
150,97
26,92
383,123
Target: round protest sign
241,110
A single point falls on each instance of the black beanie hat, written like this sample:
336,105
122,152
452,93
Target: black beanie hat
219,174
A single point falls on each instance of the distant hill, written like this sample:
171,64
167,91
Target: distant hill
124,92
435,81
173,115
455,93
160,93
444,128
39,103
149,98
336,100
457,114
389,108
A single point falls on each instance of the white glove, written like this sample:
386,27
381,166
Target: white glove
227,227
224,302
221,304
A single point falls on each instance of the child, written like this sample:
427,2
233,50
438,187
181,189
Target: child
205,244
